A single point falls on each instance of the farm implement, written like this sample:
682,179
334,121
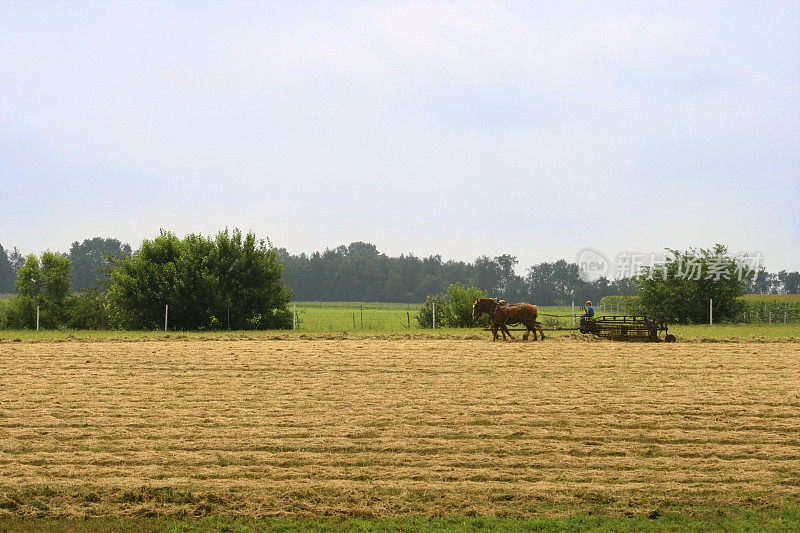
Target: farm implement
627,328
621,328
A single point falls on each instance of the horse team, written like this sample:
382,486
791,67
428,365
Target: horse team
502,314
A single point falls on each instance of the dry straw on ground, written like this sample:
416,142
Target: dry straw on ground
391,426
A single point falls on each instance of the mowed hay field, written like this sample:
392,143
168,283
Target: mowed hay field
368,427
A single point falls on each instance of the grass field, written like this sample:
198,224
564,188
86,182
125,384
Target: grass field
371,316
737,519
778,298
342,316
351,316
401,428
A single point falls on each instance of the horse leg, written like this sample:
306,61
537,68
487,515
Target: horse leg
539,327
528,332
494,331
532,328
505,330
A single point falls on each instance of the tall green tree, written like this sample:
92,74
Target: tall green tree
45,283
679,290
790,282
90,257
16,258
7,273
208,283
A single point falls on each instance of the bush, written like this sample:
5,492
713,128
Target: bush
18,312
424,316
679,291
90,309
620,304
453,309
203,281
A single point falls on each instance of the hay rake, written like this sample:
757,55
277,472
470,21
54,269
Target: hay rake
621,328
627,328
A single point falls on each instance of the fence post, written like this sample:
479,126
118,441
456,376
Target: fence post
166,314
294,316
573,313
37,318
433,308
362,316
354,320
710,311
409,319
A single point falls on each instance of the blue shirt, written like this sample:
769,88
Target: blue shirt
590,311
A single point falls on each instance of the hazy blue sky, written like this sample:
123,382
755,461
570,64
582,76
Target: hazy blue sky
458,128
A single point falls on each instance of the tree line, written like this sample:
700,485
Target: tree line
359,272
87,259
101,282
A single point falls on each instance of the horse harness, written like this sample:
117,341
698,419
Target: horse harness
493,311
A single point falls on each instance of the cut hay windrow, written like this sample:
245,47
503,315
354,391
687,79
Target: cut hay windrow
368,427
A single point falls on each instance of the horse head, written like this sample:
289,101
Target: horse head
481,305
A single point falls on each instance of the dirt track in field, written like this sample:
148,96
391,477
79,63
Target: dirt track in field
368,427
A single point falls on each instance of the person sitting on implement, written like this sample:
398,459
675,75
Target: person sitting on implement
588,314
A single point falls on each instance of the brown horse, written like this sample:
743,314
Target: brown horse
502,313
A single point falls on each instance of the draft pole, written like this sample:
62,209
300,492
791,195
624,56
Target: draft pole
710,311
37,318
166,315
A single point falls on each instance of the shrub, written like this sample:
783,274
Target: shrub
680,290
90,309
620,304
453,309
424,316
203,281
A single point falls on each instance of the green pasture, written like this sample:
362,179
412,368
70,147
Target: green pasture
775,298
355,316
374,316
757,518
321,318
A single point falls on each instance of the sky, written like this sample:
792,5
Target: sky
462,128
